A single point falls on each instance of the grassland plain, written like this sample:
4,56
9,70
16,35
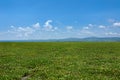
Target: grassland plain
60,61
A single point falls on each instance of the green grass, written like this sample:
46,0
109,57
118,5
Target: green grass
60,60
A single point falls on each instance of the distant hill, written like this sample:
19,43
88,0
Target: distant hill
93,39
88,39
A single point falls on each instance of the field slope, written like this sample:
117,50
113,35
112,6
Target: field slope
60,61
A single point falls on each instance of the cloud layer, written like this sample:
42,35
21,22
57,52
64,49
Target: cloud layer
48,31
117,24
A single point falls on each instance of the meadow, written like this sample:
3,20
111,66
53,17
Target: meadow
59,60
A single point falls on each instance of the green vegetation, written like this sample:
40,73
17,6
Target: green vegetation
60,61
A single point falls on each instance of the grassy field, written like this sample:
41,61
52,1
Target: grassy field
60,61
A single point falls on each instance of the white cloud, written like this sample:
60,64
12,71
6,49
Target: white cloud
112,34
25,32
47,30
12,26
55,28
69,28
90,25
21,31
48,26
117,24
102,27
37,25
86,28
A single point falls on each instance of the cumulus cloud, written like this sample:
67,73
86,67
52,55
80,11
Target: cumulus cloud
86,28
102,27
37,25
25,32
47,30
69,28
55,28
116,24
48,26
21,31
90,25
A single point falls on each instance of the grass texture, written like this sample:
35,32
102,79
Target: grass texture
60,61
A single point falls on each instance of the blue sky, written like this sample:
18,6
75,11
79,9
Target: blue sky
50,19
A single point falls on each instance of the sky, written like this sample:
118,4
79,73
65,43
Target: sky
57,19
